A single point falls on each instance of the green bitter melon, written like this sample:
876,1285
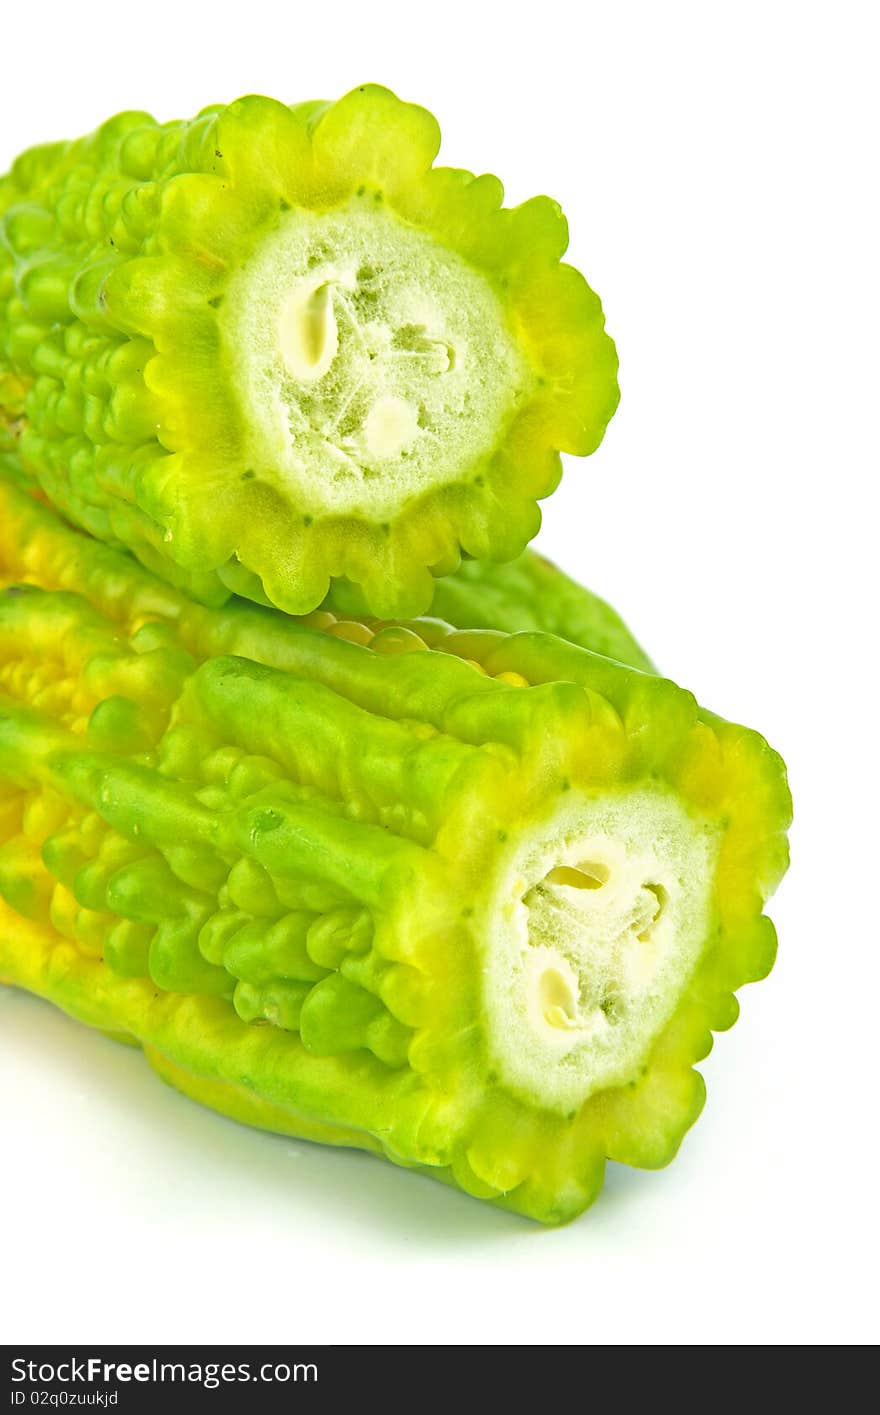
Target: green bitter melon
274,347
473,901
529,592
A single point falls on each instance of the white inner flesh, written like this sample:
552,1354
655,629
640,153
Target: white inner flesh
604,912
373,362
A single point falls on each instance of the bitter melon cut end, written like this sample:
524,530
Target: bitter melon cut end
594,929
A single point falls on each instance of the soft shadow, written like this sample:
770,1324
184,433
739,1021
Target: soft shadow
334,1182
626,1187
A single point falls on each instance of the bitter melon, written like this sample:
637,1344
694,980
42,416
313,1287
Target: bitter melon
473,901
273,347
527,593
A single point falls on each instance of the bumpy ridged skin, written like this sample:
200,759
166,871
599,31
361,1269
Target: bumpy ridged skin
254,845
528,593
116,254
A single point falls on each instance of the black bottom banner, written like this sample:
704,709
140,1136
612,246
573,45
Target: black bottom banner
136,1378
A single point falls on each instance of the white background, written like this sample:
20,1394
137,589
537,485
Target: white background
718,167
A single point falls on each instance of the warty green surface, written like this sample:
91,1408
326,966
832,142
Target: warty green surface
274,854
172,394
527,593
